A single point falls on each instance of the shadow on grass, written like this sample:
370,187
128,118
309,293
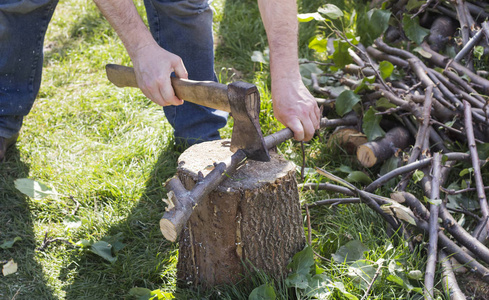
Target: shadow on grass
16,220
147,259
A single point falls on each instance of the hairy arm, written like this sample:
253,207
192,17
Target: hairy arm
293,104
152,64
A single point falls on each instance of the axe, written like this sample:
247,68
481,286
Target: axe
243,101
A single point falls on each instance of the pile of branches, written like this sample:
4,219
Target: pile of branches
434,90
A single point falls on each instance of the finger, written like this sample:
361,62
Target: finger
180,70
296,126
168,94
309,129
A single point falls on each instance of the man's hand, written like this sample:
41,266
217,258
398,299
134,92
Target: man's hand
296,108
293,105
153,66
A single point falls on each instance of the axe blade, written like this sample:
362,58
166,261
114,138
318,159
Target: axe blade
244,100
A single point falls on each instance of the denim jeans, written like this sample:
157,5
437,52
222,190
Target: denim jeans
23,24
184,27
181,27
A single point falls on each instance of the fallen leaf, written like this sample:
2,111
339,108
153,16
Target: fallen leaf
9,268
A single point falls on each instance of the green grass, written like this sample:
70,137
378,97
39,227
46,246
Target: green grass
109,150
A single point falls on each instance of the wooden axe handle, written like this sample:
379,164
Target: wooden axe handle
206,93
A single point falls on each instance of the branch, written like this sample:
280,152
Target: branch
433,228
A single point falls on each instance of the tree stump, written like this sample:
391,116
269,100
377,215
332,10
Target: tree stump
252,220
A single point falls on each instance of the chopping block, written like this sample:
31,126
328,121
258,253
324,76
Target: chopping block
252,220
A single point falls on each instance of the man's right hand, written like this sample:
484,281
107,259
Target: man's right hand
153,66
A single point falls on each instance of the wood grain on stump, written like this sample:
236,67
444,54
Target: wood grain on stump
252,218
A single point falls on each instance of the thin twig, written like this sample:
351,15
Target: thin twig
371,284
77,205
479,184
433,229
309,233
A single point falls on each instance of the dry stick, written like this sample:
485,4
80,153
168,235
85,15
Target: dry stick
365,197
477,171
469,46
462,18
433,232
462,236
326,186
422,133
415,110
421,72
438,78
445,62
458,253
456,131
380,56
336,201
449,281
411,167
369,62
457,90
421,9
464,84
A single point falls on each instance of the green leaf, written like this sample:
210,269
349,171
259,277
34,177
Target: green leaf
371,125
341,288
389,165
418,175
415,274
104,250
478,52
384,103
386,68
461,200
297,280
303,18
331,11
344,169
434,201
414,4
10,243
466,171
34,189
302,261
263,292
341,57
358,176
350,252
140,293
345,102
319,44
413,30
319,287
362,272
372,24
364,84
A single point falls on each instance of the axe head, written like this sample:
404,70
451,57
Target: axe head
244,100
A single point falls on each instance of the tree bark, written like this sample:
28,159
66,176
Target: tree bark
251,220
378,151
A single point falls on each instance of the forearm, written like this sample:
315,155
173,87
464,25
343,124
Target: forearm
124,18
281,25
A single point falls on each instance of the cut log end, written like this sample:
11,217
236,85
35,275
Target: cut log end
169,230
366,156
